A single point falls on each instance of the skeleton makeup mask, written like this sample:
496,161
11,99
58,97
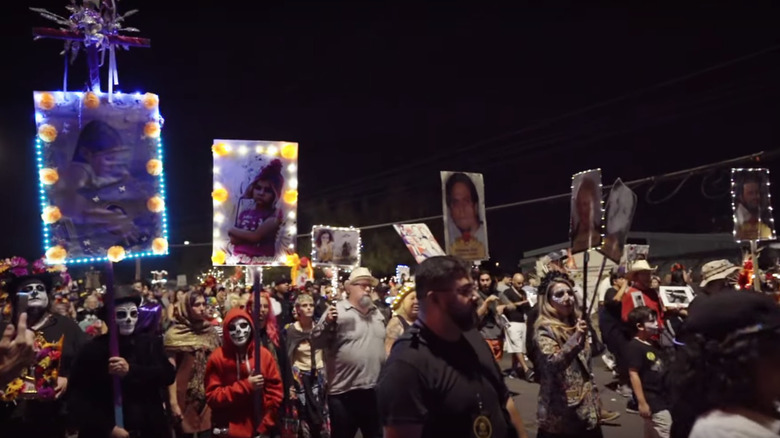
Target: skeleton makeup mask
563,296
126,318
240,331
36,291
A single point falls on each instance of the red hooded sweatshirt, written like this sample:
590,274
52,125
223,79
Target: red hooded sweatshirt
228,391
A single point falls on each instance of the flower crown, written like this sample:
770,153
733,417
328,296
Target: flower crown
405,290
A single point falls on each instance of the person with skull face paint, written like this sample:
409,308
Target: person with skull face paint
144,373
231,381
568,400
22,418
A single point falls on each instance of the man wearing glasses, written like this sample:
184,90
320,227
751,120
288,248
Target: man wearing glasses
354,335
441,379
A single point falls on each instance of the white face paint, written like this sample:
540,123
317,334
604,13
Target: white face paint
240,331
36,292
126,318
651,327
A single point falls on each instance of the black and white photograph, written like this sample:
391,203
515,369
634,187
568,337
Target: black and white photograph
676,296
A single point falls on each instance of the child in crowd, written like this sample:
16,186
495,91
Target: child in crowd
646,370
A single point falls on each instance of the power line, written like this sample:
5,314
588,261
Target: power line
389,173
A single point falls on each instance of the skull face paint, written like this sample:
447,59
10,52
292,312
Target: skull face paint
240,331
651,327
562,295
36,292
126,318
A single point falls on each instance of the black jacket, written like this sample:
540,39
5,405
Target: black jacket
142,388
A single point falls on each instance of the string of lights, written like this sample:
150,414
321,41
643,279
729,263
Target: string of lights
754,157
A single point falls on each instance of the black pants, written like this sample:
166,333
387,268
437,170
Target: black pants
616,342
354,410
593,433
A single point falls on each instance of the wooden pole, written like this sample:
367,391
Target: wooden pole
113,341
258,396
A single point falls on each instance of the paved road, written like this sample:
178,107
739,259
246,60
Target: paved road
628,425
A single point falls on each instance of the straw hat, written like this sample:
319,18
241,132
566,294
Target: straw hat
362,274
641,266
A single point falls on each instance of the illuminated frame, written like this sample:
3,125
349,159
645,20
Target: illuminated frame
287,152
572,201
347,268
734,202
45,101
402,269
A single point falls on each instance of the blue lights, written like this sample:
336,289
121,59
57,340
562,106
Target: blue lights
45,166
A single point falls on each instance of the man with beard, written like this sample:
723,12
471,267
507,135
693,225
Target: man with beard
354,334
489,311
441,379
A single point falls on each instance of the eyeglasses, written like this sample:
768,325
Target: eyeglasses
362,285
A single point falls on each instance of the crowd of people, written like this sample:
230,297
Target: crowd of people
416,359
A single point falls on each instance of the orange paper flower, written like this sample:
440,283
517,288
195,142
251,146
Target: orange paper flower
46,101
47,133
220,149
290,196
51,214
150,101
152,130
155,204
219,257
56,255
159,246
91,100
290,151
49,176
154,167
220,194
115,254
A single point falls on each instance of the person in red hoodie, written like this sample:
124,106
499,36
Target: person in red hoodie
231,382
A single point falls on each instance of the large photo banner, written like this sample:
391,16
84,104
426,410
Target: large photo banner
255,202
100,168
465,229
335,246
621,205
752,206
586,222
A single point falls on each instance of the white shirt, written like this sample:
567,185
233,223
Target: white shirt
719,424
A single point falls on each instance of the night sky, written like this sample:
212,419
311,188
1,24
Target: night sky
381,98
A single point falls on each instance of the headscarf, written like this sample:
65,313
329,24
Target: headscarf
187,333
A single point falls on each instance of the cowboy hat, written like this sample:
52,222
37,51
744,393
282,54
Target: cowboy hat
641,266
361,274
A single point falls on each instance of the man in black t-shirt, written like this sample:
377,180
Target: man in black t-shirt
615,333
440,379
516,302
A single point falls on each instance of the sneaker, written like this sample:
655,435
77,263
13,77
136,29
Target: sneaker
632,407
529,375
625,391
609,416
608,361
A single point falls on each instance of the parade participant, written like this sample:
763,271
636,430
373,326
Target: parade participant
354,332
717,276
150,318
231,382
727,372
144,372
647,368
405,309
568,401
489,312
308,372
441,379
282,296
188,343
641,293
517,306
22,416
275,341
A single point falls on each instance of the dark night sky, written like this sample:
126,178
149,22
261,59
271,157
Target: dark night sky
386,96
